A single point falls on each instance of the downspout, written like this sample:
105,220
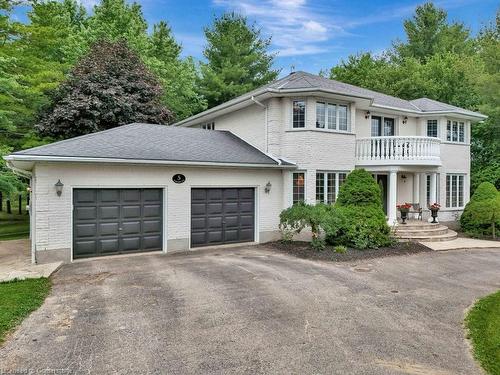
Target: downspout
265,121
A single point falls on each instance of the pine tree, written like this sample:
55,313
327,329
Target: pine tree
238,60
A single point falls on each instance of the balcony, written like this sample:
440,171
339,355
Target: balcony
408,150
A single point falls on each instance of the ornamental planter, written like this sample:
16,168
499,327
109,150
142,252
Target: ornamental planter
434,214
404,215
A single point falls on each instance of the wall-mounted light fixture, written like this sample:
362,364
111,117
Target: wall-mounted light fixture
367,115
59,186
403,177
267,189
405,120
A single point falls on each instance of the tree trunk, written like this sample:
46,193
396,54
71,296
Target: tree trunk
9,208
493,229
20,208
1,201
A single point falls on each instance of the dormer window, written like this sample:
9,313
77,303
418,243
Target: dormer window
299,114
208,126
332,116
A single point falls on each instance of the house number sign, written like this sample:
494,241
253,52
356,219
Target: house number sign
179,178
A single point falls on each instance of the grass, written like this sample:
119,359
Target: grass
14,226
483,322
18,299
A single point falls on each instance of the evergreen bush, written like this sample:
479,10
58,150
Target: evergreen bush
481,216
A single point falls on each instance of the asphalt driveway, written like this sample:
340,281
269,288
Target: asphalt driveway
252,310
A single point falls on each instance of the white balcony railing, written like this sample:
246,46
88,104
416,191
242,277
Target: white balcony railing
398,150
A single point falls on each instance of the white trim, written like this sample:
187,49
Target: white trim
35,158
303,99
164,212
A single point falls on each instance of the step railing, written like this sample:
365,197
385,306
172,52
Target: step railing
394,150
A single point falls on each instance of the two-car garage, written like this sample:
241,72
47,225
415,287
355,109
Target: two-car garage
118,221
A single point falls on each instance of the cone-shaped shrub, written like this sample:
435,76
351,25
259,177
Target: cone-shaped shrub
359,219
481,215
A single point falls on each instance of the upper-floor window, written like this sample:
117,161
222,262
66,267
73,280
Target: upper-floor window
208,126
299,114
298,187
332,116
432,128
455,131
382,126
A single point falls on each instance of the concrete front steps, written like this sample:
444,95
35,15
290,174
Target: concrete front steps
424,232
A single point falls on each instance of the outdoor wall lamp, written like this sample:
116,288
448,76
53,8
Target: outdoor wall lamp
59,186
267,189
367,115
405,120
403,177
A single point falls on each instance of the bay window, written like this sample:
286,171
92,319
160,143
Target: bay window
299,187
327,186
454,190
332,116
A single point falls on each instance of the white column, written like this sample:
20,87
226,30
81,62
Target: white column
433,187
391,204
416,188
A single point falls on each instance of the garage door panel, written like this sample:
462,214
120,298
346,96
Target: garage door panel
149,226
110,212
99,214
86,230
228,211
85,196
131,227
85,213
110,196
152,210
108,229
214,208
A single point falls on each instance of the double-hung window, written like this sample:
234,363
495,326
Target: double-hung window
299,187
454,190
432,128
455,131
332,116
299,114
327,186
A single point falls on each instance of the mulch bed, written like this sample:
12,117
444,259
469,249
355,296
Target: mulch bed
304,250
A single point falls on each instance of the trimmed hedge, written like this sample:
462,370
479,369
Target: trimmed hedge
360,189
481,216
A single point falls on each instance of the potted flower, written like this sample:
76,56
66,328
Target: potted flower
404,209
434,211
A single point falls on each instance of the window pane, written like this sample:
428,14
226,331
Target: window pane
376,126
428,188
461,132
299,114
332,116
460,191
388,127
320,115
342,113
432,128
330,188
298,187
448,190
454,191
448,130
320,187
455,131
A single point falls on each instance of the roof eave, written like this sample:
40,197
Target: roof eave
72,159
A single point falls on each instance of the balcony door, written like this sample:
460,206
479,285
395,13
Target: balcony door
382,126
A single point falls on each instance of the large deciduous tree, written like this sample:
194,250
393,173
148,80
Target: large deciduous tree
109,87
237,59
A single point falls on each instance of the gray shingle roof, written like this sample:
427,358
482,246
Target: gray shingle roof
159,143
430,105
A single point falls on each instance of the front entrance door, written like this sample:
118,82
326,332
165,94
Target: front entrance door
382,183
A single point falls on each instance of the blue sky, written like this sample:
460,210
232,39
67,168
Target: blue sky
309,34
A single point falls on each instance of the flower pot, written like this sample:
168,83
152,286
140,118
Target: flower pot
434,214
404,215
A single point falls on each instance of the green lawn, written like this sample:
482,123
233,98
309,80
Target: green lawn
483,322
14,226
18,299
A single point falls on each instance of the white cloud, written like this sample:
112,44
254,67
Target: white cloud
296,28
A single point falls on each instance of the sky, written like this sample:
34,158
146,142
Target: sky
310,35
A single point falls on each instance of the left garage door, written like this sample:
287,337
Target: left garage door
116,221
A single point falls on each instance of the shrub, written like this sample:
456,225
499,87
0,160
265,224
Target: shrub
481,216
294,219
358,219
341,249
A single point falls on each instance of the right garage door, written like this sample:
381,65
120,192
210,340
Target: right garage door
220,216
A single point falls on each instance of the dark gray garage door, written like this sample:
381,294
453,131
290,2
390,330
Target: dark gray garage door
115,221
221,216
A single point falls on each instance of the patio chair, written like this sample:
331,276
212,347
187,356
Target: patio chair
416,209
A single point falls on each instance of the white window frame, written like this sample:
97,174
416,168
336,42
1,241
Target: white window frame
382,123
336,125
456,131
453,194
305,185
325,185
437,128
305,112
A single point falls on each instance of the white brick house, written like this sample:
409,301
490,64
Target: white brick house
149,187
